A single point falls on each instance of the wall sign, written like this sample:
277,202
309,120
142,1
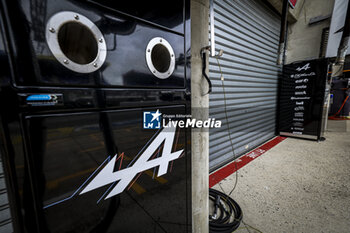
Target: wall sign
301,98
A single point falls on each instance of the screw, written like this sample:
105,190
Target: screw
95,64
148,50
76,17
52,30
154,71
160,40
65,61
100,40
172,55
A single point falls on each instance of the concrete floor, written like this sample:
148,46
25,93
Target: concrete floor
298,186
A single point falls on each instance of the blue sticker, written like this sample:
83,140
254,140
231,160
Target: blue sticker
39,98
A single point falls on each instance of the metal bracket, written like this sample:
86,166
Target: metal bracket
212,31
212,28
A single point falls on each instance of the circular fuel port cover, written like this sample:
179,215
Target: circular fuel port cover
76,42
160,58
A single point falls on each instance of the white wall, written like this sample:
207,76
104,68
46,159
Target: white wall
304,40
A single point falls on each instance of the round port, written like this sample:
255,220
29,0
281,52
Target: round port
160,58
77,42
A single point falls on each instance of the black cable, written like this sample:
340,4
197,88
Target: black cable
204,67
227,214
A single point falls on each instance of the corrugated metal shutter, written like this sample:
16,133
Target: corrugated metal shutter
5,214
248,32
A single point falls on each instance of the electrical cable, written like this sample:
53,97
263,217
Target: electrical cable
341,106
227,213
335,117
247,226
230,215
228,125
224,222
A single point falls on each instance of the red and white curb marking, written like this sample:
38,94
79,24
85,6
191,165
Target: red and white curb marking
230,168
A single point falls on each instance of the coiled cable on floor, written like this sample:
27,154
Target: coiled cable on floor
227,215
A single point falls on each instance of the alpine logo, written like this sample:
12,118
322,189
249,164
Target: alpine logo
305,67
108,175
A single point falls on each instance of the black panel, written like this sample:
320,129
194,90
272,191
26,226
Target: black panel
11,149
302,97
124,36
164,13
68,149
58,126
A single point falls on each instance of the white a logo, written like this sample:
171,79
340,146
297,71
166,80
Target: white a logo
305,67
143,163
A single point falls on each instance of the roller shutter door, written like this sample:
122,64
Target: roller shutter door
248,32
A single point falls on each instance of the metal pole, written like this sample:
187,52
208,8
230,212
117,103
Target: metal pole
282,43
212,28
199,105
343,46
338,65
